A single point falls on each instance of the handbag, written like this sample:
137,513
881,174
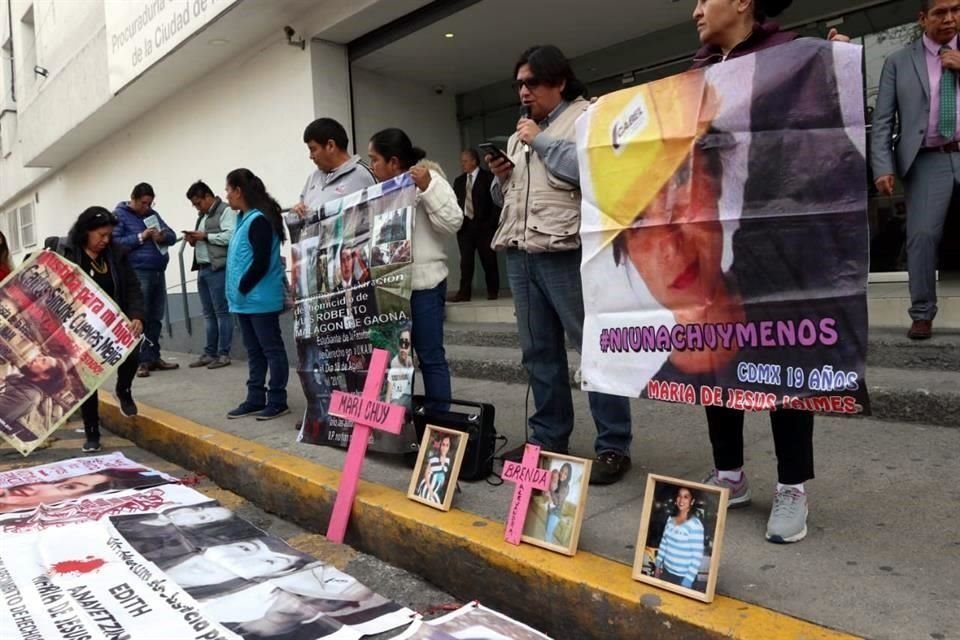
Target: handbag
476,419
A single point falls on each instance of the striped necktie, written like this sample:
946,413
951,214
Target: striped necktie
948,102
468,197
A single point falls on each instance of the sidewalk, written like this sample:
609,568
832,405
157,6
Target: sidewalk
882,555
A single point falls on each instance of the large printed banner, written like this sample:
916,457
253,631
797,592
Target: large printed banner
352,269
47,485
725,234
61,337
168,562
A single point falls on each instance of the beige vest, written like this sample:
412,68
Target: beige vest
540,213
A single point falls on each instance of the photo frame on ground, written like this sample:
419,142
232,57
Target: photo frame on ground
555,517
681,536
434,478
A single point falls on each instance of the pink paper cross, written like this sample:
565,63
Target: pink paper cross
528,476
366,412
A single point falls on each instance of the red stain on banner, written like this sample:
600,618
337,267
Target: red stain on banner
78,566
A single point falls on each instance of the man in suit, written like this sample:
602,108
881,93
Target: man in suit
480,219
918,91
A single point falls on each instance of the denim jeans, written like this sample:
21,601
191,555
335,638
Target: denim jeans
548,299
263,341
211,285
153,284
426,308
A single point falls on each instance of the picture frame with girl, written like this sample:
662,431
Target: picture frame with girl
435,476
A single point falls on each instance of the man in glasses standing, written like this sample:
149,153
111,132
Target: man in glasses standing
141,230
539,190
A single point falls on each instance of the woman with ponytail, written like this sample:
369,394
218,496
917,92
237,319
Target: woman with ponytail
730,29
438,214
255,293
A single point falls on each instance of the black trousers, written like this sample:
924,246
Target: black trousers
476,238
90,409
792,440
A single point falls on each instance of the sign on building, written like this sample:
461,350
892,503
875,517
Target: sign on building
140,33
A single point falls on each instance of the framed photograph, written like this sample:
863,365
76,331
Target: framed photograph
681,535
434,479
555,516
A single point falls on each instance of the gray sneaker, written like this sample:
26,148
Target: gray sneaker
219,363
202,361
788,518
739,491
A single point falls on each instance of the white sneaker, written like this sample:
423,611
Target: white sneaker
788,518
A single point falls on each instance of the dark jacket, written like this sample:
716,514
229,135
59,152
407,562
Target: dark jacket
18,397
485,212
146,256
126,287
764,36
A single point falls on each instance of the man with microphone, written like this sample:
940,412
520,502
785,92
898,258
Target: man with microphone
538,186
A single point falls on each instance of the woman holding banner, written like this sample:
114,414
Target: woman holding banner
705,190
438,214
88,244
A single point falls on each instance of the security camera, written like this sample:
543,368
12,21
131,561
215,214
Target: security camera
292,40
439,89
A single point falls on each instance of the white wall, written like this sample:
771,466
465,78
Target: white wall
249,113
429,119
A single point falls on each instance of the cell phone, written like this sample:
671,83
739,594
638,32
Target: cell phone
488,148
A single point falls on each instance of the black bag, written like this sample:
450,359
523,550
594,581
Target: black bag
477,422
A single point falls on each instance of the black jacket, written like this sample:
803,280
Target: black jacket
485,212
126,287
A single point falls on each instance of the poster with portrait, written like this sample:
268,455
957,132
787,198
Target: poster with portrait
61,337
352,270
166,561
555,516
681,536
725,242
50,484
434,479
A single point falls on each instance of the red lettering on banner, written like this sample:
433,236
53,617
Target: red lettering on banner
671,392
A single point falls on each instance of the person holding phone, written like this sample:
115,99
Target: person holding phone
538,186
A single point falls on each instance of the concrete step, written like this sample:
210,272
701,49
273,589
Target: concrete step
888,347
921,396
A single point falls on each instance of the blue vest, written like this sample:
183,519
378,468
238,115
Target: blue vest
267,295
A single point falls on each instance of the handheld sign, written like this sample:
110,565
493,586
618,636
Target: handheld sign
527,476
366,412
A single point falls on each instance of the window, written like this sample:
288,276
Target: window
28,235
12,230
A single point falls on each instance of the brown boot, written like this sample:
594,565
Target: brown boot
920,330
143,371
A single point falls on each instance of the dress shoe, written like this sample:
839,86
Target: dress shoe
920,330
493,296
163,365
143,371
460,297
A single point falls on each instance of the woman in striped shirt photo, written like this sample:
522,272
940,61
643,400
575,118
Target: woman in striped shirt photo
681,549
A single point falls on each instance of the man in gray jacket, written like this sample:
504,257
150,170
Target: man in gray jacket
210,238
918,91
338,173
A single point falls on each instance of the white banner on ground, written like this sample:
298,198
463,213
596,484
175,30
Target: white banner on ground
472,621
168,562
141,32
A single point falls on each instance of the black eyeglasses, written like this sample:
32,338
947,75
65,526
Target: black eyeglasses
404,343
530,83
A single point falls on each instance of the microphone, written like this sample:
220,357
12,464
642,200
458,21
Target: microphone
525,113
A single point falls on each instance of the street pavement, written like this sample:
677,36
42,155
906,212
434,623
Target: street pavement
882,555
389,581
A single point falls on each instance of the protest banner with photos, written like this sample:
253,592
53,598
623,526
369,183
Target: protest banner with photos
352,270
472,621
725,238
166,561
61,337
49,484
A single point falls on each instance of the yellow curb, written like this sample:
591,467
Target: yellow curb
587,591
